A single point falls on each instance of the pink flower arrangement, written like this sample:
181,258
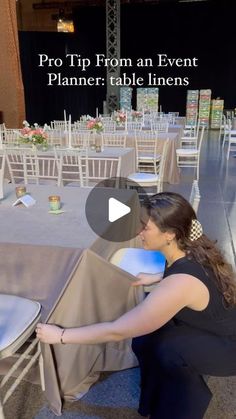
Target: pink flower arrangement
33,135
95,125
120,117
136,115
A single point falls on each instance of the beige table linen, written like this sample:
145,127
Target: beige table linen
75,285
178,129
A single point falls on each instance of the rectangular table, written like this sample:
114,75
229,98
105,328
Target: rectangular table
59,261
127,157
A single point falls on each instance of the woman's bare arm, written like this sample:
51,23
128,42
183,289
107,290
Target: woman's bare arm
147,279
167,299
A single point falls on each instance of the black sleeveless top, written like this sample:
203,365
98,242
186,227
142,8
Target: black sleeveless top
216,318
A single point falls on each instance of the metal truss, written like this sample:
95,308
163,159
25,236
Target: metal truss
112,51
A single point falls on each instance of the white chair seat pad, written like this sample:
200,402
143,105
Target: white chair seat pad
16,315
143,177
186,151
137,260
151,157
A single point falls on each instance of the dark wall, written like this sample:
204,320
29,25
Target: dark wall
205,30
45,103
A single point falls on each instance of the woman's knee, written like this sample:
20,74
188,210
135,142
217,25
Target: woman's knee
164,355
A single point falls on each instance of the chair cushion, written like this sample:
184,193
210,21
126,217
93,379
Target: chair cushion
137,260
186,151
143,177
151,157
16,315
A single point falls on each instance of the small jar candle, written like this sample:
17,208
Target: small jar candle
54,202
20,191
98,149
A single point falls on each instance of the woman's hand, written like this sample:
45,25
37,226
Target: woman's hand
48,333
147,279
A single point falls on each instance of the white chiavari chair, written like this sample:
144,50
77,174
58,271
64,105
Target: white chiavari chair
19,317
227,130
190,157
155,179
147,154
231,142
11,136
69,166
95,170
41,168
16,162
190,137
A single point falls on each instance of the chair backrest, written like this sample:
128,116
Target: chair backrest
192,130
195,196
134,125
55,137
109,126
59,124
105,118
41,167
146,145
159,126
81,126
17,160
95,169
11,136
80,139
69,166
114,139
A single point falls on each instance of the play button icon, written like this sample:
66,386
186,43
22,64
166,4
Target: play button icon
117,210
113,209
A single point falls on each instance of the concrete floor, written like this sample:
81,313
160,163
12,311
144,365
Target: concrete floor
115,396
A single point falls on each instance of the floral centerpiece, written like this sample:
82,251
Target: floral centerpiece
95,125
34,135
85,118
136,115
120,117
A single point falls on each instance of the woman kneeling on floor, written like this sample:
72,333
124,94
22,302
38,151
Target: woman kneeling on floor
186,327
